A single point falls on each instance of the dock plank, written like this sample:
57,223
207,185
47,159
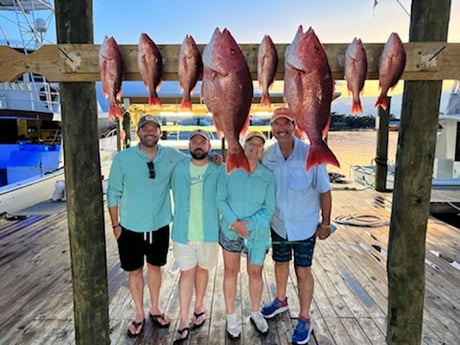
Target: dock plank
349,306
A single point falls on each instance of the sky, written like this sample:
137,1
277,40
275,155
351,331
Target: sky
168,21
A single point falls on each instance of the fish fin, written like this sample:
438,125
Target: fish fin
320,154
122,134
158,86
326,127
382,102
237,161
356,107
186,104
115,111
154,100
265,100
245,127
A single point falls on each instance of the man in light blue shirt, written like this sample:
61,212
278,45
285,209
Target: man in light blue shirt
301,198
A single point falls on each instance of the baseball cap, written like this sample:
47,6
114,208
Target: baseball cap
147,118
254,134
280,113
204,134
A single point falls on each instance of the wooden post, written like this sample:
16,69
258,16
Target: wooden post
85,210
411,196
381,158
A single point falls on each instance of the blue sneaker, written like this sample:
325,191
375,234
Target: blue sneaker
274,308
302,332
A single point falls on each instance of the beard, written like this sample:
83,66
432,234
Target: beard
148,142
199,154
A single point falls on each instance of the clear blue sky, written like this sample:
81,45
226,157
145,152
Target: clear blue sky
334,21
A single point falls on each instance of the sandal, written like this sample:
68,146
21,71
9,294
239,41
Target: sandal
196,316
160,320
181,337
136,326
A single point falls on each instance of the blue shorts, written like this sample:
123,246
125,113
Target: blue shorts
256,254
134,246
303,250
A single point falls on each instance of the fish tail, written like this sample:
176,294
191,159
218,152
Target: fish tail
265,100
186,104
320,154
382,102
357,107
237,161
154,99
115,111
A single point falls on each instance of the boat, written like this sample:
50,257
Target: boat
31,151
446,166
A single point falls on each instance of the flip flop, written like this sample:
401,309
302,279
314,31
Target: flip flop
136,326
197,316
181,335
160,320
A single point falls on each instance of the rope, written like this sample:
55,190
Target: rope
368,220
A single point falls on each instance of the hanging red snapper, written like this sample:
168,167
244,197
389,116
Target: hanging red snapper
267,62
189,70
111,70
150,64
227,92
308,89
355,72
391,67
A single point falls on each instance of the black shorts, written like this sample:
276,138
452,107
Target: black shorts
133,246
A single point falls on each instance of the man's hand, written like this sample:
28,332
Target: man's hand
323,231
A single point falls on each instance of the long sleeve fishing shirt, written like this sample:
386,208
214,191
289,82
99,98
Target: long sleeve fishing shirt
181,181
144,203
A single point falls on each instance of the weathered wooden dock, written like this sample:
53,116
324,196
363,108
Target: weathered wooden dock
350,302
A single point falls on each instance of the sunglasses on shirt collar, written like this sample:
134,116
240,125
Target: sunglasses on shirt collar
151,169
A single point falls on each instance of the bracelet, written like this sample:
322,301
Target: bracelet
116,226
326,226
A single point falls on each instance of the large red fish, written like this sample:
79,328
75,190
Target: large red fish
150,65
227,92
391,67
308,89
355,72
189,70
111,70
267,62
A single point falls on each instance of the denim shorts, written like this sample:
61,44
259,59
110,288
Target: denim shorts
256,254
303,250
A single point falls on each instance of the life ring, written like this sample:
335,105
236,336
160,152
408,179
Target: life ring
52,94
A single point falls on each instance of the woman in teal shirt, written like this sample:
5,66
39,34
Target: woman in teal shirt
246,203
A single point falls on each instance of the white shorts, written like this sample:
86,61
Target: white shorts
195,253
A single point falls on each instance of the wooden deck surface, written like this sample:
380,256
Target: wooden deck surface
350,293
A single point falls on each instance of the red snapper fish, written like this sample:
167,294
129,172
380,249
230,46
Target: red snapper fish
308,90
267,62
189,70
355,72
227,92
111,70
150,64
391,67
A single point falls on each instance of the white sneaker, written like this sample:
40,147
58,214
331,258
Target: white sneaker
233,326
259,322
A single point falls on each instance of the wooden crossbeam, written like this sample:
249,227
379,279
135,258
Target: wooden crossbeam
79,62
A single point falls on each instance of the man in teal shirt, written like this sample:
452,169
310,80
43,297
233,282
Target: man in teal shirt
195,228
138,198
